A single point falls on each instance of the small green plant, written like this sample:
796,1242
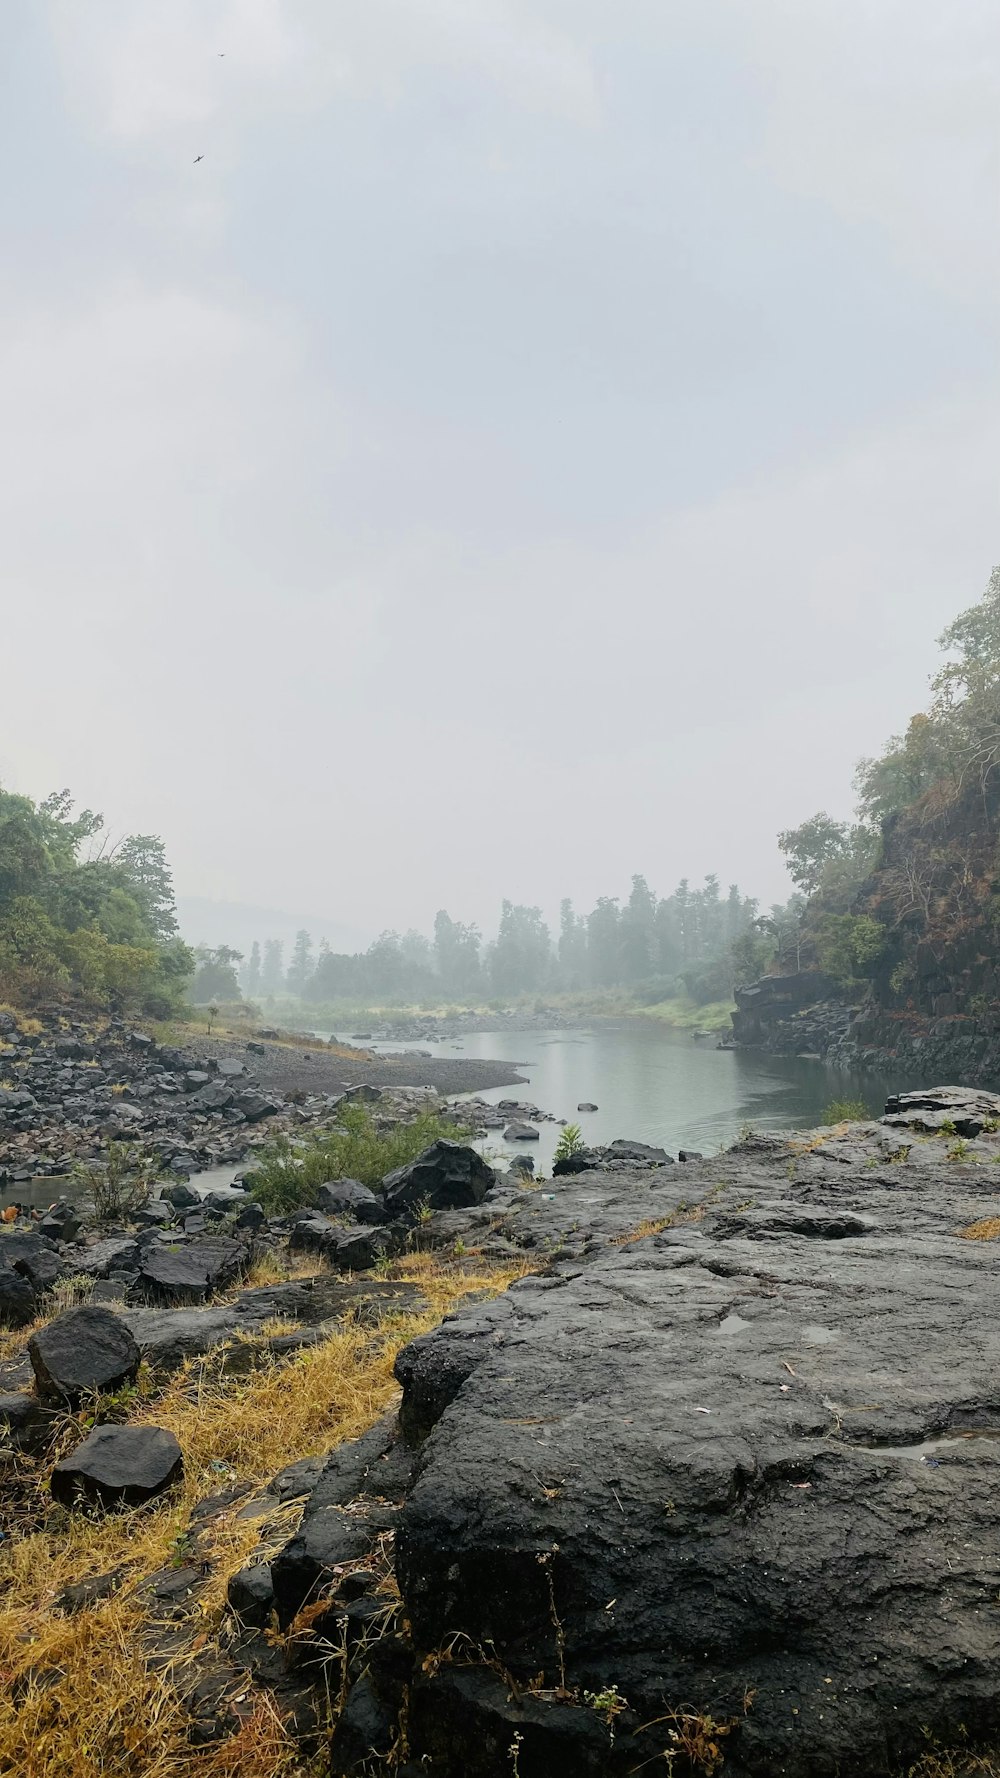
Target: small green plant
608,1705
181,1549
460,1249
119,1185
958,1150
845,1111
570,1142
287,1176
425,1212
946,1127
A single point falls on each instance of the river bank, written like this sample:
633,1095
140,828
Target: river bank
684,1386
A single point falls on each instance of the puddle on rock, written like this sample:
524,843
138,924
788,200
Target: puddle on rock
732,1324
930,1448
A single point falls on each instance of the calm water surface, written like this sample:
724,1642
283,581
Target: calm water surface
659,1086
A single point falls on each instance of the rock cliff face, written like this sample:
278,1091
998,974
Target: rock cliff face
791,1014
722,1497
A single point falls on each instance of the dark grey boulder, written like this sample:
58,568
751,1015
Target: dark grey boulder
447,1176
181,1196
585,1105
36,1258
118,1466
61,1223
254,1105
522,1164
314,1234
231,1068
359,1249
623,1149
17,1298
348,1197
583,1161
88,1350
518,1132
689,1154
25,1421
251,1593
190,1274
195,1079
213,1097
116,1253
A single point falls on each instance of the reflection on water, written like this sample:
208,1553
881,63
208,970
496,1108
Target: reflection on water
658,1086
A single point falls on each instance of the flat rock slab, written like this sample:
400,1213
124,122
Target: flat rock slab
86,1351
189,1274
743,1468
118,1466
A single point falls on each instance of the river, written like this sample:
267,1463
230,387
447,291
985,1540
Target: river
656,1085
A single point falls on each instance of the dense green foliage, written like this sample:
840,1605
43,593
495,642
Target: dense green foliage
287,1175
80,916
920,864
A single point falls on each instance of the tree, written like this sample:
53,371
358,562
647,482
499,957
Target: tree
301,966
215,976
456,954
251,977
604,942
637,932
522,953
272,974
141,861
810,848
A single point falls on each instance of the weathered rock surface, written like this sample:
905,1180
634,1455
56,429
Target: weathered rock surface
190,1274
83,1351
447,1176
744,1468
118,1466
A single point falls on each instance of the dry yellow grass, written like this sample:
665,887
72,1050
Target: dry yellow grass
986,1230
76,1697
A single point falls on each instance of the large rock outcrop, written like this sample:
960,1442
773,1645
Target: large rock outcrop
732,1484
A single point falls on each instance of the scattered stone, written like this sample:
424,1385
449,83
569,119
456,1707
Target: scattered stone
17,1298
86,1351
348,1197
251,1593
586,1105
118,1466
521,1133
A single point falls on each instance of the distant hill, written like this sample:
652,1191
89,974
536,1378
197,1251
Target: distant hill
206,922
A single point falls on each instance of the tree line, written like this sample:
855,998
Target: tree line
920,859
84,916
696,941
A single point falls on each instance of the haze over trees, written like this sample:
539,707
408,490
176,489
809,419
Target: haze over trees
696,941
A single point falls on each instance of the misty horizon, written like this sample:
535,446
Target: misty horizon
455,453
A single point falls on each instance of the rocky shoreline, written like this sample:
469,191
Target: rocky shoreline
720,1476
68,1090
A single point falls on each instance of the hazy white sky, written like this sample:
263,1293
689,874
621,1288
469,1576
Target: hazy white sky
538,442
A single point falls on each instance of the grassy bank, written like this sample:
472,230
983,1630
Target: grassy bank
78,1698
687,1015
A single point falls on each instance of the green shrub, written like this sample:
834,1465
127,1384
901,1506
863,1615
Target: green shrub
287,1175
119,1185
570,1142
845,1111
